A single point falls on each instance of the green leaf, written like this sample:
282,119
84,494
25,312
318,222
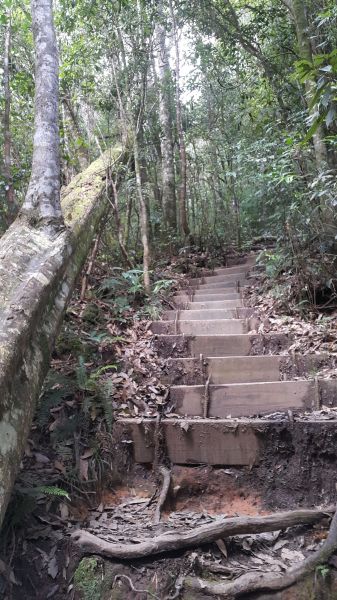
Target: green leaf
312,130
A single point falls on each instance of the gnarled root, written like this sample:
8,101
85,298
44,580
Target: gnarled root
169,541
267,582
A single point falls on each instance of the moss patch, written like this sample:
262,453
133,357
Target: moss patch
69,341
88,578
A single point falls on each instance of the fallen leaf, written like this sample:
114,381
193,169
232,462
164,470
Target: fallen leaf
222,547
53,567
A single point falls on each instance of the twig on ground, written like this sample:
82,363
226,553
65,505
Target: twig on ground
213,567
129,580
266,582
90,267
166,475
204,534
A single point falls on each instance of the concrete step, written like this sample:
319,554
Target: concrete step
207,314
205,328
215,304
234,443
243,399
221,370
220,345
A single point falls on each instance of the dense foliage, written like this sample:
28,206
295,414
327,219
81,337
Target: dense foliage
231,110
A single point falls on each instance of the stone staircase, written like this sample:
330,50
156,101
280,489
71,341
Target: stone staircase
224,379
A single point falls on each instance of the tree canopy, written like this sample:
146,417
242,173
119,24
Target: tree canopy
231,107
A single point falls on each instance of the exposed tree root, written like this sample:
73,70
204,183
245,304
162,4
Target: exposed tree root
267,582
204,534
166,475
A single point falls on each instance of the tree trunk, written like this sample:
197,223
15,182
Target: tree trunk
297,10
42,202
7,169
183,222
40,258
82,151
165,119
144,226
127,228
114,203
38,273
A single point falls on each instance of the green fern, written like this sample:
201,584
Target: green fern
53,491
101,370
45,490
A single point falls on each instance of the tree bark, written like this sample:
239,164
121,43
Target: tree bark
113,197
82,151
38,273
7,169
42,202
165,119
183,221
144,226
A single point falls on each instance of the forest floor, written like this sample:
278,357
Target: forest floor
75,474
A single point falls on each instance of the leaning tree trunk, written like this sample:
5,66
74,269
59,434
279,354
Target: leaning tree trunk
41,255
38,273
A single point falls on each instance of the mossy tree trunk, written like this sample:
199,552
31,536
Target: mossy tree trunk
38,272
41,255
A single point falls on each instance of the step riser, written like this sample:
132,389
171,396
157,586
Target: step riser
237,369
215,305
220,285
222,278
187,441
207,314
221,346
235,263
243,400
215,297
233,278
238,345
231,270
221,326
179,346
